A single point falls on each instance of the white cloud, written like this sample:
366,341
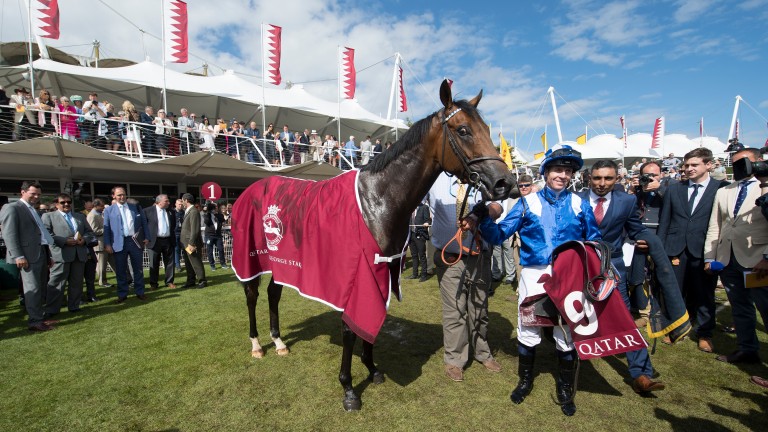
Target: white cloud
689,10
763,104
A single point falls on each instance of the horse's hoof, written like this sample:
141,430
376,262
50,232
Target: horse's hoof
377,377
352,403
257,354
282,351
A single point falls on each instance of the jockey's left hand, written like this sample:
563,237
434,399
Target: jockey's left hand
468,223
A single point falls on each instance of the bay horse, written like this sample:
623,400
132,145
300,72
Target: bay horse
454,139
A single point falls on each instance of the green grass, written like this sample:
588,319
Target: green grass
182,362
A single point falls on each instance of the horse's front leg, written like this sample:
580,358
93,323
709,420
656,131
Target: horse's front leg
251,289
352,401
373,373
274,293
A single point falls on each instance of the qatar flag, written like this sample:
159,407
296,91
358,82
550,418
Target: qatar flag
347,73
45,18
272,51
176,37
658,133
401,93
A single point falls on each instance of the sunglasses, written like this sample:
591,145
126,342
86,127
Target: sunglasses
525,185
65,202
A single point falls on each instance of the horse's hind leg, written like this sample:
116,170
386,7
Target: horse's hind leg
373,373
351,401
274,293
252,296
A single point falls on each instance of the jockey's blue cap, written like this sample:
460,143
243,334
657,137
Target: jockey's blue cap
562,155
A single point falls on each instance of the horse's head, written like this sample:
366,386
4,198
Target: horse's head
467,150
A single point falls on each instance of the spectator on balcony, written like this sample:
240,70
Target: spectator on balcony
377,148
236,143
207,134
220,135
350,151
163,129
286,145
93,112
316,146
252,132
187,127
304,149
68,120
109,129
132,132
24,118
147,131
270,143
46,120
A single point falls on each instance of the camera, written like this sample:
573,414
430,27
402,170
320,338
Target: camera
645,180
734,145
744,168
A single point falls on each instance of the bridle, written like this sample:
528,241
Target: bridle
472,177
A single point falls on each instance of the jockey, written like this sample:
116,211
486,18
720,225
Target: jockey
544,221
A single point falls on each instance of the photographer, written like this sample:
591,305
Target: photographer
93,112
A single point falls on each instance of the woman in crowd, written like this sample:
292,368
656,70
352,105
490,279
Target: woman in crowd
45,114
220,135
68,120
270,143
206,134
109,128
132,133
163,128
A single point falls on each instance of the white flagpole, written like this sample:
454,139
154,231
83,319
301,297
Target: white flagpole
263,93
338,92
31,67
551,92
392,90
733,119
165,97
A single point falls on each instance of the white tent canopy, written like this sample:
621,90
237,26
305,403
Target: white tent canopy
224,96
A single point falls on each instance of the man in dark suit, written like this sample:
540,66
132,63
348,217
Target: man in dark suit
124,236
71,232
27,241
192,244
420,222
161,238
617,216
148,132
213,219
682,228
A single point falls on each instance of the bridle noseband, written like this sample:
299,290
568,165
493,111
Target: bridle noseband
472,177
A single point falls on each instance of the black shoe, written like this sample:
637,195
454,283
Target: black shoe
106,285
746,357
202,284
422,279
76,311
92,299
120,300
141,297
413,277
564,386
525,385
153,287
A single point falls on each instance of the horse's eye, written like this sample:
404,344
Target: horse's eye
463,131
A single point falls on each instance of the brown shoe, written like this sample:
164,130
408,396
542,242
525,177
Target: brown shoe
492,365
454,372
705,344
762,382
40,327
644,384
171,286
50,322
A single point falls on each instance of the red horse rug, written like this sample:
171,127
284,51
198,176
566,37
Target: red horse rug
312,237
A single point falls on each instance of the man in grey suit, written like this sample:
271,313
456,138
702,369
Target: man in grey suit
71,232
27,241
192,244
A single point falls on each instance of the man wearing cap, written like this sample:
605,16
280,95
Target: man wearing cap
24,118
544,220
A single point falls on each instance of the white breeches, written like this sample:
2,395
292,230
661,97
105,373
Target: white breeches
528,286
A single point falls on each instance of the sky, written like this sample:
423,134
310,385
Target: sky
682,59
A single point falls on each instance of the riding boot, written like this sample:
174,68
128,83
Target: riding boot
525,372
566,378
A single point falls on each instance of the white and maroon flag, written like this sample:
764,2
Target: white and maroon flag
701,128
176,35
736,130
403,102
347,73
45,18
272,50
623,130
658,133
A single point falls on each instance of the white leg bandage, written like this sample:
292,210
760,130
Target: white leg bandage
255,344
279,344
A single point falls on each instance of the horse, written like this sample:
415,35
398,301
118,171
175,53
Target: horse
454,139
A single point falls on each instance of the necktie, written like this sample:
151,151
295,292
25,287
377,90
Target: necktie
46,236
743,187
68,217
692,199
163,223
600,210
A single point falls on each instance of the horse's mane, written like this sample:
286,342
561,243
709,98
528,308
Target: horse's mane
411,139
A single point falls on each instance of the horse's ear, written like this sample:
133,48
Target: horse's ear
445,94
476,99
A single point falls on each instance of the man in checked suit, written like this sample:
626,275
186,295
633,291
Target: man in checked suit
71,232
192,244
618,216
124,236
27,242
738,238
682,228
162,240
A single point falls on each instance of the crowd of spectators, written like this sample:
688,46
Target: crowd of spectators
78,247
99,124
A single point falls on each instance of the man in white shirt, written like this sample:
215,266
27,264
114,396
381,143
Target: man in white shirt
162,241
